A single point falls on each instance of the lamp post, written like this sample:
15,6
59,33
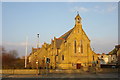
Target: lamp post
37,67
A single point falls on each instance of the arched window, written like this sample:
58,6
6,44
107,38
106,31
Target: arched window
78,31
81,46
75,46
93,58
62,57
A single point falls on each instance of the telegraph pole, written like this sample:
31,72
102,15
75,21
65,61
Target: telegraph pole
26,53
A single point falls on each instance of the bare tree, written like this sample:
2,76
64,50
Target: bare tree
8,58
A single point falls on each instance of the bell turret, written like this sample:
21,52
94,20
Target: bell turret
78,19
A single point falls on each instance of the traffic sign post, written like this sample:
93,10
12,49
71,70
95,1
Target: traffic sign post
47,60
47,65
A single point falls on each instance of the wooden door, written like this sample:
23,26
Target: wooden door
78,66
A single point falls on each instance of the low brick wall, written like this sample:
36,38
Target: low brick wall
35,71
65,71
105,70
19,71
41,71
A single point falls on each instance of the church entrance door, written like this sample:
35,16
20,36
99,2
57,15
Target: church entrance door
78,66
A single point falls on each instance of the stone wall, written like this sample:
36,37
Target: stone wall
43,71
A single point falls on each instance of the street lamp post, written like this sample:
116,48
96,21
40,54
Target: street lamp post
37,67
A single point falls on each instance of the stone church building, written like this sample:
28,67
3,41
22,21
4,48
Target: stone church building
70,51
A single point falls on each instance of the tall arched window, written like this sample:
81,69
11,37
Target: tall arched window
62,57
75,46
87,48
81,46
78,30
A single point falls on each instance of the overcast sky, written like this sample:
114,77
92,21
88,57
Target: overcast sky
49,19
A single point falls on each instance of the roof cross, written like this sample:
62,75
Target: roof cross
77,12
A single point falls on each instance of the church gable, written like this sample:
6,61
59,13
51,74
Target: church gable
85,36
76,39
77,31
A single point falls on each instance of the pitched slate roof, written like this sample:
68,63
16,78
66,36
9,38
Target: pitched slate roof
62,38
65,36
58,42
